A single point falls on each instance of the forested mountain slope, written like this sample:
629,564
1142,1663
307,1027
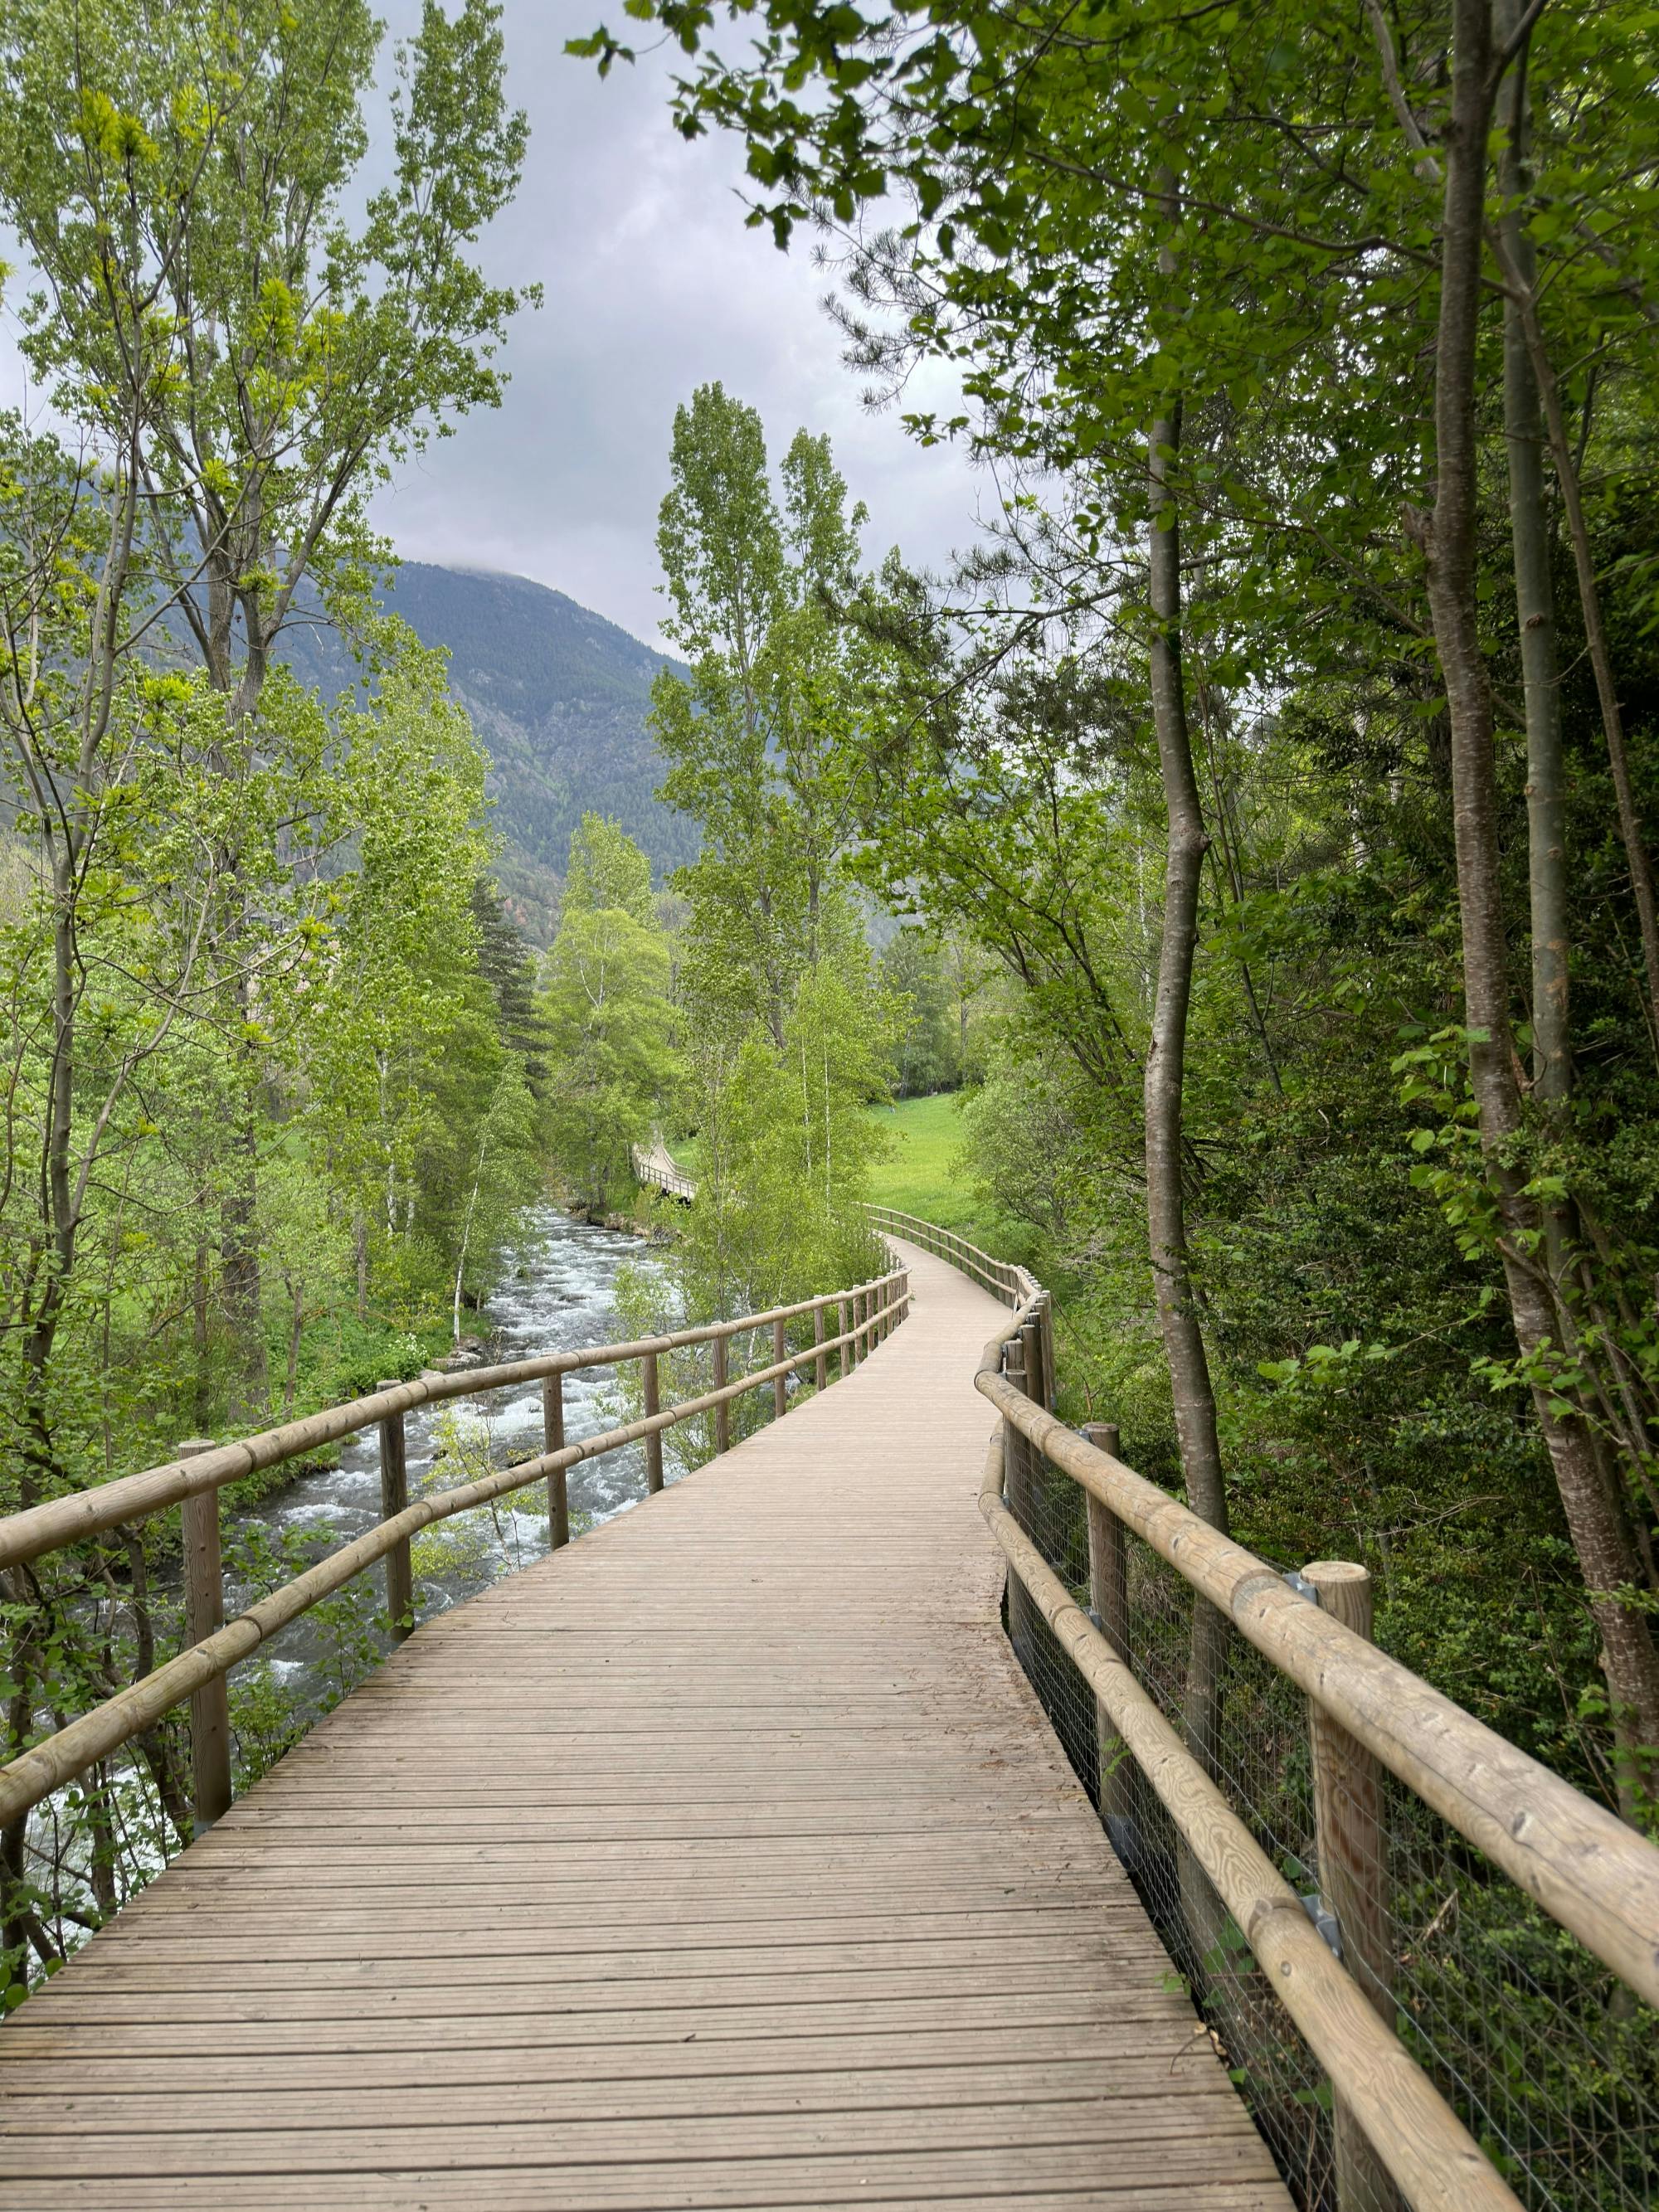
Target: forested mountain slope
558,696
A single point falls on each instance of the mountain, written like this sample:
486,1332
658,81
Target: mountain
558,696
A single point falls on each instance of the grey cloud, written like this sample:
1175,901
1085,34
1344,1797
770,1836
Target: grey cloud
653,286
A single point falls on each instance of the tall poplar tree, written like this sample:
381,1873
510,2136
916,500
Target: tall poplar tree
244,358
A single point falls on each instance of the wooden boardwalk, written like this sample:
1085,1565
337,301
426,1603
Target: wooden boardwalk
723,1859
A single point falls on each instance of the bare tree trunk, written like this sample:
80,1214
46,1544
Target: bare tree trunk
1186,843
1534,608
1606,1555
250,1390
296,1328
202,1392
1525,308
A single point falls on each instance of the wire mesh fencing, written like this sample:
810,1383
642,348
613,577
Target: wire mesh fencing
1549,2062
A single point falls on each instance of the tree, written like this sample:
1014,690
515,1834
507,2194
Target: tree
786,1146
756,741
607,1017
927,1045
244,362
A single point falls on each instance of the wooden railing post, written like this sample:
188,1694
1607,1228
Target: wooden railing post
653,1441
723,1411
781,1382
558,1496
1015,1489
1036,1379
841,1326
1109,1594
205,1614
1353,1876
394,1495
821,1369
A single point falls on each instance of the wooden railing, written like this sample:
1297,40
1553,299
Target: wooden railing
1013,1285
654,1170
863,1314
1587,1870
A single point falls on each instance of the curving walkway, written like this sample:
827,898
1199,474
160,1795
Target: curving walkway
723,1859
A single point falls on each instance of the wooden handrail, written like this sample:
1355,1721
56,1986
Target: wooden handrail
654,1169
81,1513
1012,1283
58,1758
1424,2144
1579,1862
1589,1871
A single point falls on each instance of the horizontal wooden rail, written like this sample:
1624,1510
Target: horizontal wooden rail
655,1171
1421,2140
1578,1861
1013,1285
129,1497
60,1758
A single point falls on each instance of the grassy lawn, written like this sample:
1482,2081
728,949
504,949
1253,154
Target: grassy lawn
926,1134
918,1176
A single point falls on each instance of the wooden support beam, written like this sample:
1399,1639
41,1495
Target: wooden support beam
394,1495
558,1496
653,1441
1351,1845
204,1615
1109,1594
843,1325
1036,1379
1051,1377
821,1366
1017,1492
723,1411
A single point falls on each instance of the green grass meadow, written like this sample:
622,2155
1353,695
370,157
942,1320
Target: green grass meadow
920,1174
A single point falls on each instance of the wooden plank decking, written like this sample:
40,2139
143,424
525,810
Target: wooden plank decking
723,1859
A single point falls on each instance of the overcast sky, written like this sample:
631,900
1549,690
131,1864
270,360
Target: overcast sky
653,286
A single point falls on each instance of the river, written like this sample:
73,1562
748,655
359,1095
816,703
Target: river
557,1292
